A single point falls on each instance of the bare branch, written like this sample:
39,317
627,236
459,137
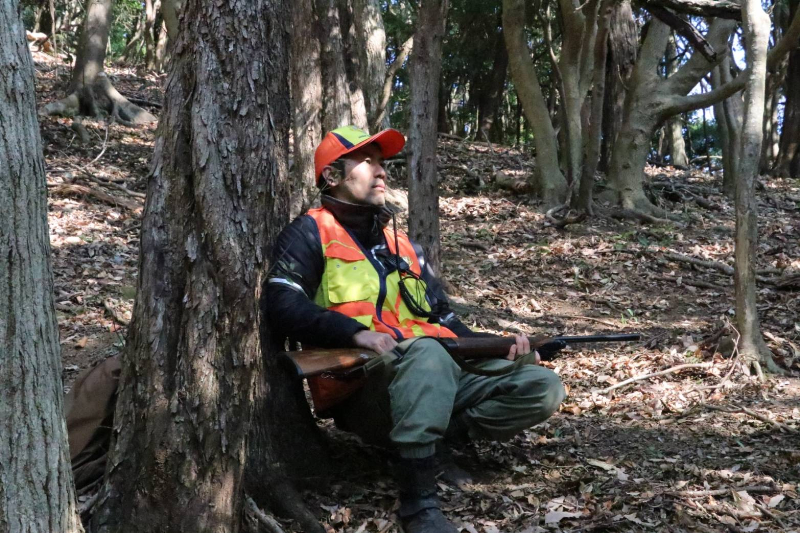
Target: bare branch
704,8
685,29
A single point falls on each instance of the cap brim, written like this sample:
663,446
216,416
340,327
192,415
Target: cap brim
390,140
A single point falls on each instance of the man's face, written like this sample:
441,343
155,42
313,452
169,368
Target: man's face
363,182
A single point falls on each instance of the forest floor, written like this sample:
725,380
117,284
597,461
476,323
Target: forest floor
703,447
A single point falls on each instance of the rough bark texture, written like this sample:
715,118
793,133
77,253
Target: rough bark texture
91,52
335,90
623,44
677,146
36,490
423,182
731,114
549,182
371,45
353,64
756,24
216,196
306,102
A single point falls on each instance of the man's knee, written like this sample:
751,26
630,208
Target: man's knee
552,391
427,355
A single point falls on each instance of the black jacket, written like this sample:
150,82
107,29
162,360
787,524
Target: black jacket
296,273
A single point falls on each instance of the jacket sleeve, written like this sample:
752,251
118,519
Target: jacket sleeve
293,279
439,303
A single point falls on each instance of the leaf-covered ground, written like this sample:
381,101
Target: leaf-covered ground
701,448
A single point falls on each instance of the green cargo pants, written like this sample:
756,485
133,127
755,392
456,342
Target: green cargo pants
410,403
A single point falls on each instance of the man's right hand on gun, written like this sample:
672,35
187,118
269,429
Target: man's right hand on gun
372,340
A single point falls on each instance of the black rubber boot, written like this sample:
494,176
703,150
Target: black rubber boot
419,505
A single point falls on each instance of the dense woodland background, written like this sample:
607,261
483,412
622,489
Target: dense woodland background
571,167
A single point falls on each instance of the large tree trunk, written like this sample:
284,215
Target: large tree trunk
423,181
371,45
36,490
549,182
217,193
306,102
677,146
335,91
353,57
651,100
491,94
92,45
623,43
752,347
789,159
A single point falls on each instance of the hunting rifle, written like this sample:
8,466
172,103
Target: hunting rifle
343,361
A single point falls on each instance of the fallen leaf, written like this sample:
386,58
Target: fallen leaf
776,501
81,343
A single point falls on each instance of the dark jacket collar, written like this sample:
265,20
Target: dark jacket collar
365,222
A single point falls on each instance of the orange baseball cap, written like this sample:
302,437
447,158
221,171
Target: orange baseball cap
348,139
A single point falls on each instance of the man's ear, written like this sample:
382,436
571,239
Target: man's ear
330,176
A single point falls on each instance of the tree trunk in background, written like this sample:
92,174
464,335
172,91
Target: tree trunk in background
549,182
217,194
423,182
677,146
335,90
36,490
151,7
353,65
731,113
161,49
371,46
92,44
380,119
306,103
770,148
623,43
170,10
788,164
753,349
492,93
722,128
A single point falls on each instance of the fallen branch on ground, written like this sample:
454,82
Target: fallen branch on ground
72,188
741,409
633,214
719,492
557,221
655,374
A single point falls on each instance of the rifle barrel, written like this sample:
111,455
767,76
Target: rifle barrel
621,337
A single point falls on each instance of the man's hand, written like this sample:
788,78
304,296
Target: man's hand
522,347
372,340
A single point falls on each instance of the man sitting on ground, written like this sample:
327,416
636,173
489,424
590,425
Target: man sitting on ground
343,278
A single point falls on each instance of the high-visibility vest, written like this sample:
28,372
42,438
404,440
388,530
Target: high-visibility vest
356,284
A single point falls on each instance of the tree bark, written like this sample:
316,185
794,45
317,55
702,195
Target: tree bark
216,196
335,92
677,146
381,119
353,57
306,103
731,109
492,92
623,44
151,7
92,44
371,44
752,347
549,182
36,490
423,182
789,159
650,101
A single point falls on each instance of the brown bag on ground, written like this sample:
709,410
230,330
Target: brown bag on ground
90,419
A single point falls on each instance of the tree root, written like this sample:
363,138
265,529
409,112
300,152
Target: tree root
555,220
101,95
280,495
266,522
641,216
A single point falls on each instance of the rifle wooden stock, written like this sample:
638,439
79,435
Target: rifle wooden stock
314,362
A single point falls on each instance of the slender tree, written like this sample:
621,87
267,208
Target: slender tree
423,183
756,26
677,146
36,490
336,110
216,195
